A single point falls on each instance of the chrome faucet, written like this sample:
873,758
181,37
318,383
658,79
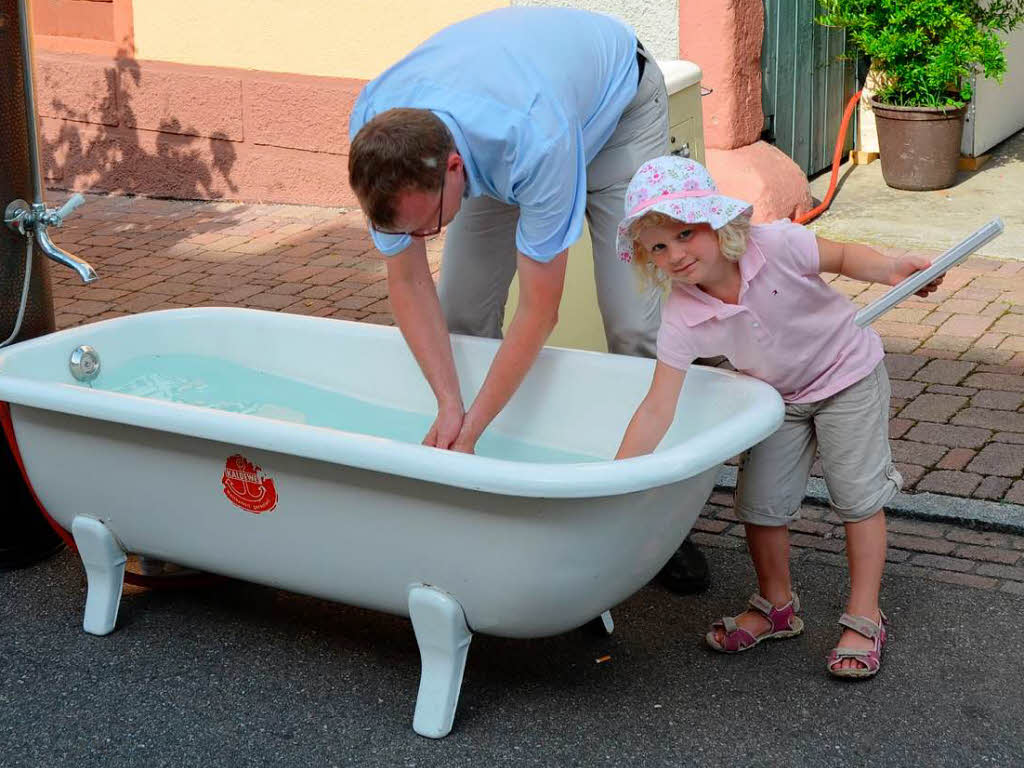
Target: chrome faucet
35,219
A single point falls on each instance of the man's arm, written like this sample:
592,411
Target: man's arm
540,292
418,312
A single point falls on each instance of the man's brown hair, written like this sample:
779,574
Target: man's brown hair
397,150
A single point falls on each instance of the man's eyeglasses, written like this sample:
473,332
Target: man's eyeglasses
429,232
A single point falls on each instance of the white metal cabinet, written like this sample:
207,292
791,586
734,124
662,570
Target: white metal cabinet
996,111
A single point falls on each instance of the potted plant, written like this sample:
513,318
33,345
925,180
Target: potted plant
922,55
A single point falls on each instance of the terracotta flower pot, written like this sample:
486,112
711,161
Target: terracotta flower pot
919,146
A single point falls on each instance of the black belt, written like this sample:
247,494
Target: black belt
641,61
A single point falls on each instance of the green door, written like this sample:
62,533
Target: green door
804,85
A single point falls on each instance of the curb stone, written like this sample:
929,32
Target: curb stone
981,515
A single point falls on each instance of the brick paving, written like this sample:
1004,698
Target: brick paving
930,550
956,358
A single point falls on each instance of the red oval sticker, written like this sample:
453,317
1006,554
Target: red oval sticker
247,487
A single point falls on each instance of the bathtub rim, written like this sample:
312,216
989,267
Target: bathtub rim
480,473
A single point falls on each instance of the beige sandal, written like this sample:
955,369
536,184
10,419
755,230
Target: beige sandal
871,658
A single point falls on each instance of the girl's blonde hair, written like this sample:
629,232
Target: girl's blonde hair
732,242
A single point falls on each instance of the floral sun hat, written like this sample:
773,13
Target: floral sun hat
680,188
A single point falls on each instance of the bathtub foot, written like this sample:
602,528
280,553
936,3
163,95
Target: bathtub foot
602,626
443,639
104,562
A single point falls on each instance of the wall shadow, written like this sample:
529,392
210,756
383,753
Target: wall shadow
114,156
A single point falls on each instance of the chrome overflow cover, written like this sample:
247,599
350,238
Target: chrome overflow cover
84,363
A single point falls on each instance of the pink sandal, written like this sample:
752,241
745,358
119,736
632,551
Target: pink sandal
871,658
784,623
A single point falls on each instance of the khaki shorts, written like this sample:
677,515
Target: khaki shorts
850,429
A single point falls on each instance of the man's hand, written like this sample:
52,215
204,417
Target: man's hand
446,427
465,442
468,435
906,264
418,312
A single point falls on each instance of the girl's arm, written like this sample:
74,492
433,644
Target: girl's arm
654,415
861,262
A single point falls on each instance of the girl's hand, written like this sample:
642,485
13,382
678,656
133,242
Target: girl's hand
655,414
446,427
906,264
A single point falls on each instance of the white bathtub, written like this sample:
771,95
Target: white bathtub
460,543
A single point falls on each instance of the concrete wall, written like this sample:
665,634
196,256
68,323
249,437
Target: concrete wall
102,27
176,130
656,21
235,99
724,40
353,39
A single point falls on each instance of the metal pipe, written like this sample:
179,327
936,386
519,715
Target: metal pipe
33,223
28,66
25,536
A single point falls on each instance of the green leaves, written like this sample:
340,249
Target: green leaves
924,51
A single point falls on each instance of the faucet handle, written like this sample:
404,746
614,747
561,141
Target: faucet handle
17,214
65,210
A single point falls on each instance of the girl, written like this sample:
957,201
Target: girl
753,293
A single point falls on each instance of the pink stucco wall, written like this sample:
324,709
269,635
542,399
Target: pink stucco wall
115,123
724,38
173,130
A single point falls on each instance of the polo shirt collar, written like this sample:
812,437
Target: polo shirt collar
473,186
698,307
750,263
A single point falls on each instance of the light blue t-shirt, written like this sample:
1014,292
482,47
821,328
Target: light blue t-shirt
530,96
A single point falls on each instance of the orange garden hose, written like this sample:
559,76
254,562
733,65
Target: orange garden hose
837,157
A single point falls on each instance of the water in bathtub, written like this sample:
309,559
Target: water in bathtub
216,383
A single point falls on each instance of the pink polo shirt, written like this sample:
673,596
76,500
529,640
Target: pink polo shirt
789,329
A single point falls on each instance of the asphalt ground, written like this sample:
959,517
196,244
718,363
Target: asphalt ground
241,675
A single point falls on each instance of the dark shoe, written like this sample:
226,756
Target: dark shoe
687,572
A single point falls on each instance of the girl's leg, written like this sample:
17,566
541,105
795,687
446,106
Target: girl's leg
865,553
769,489
769,549
853,434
